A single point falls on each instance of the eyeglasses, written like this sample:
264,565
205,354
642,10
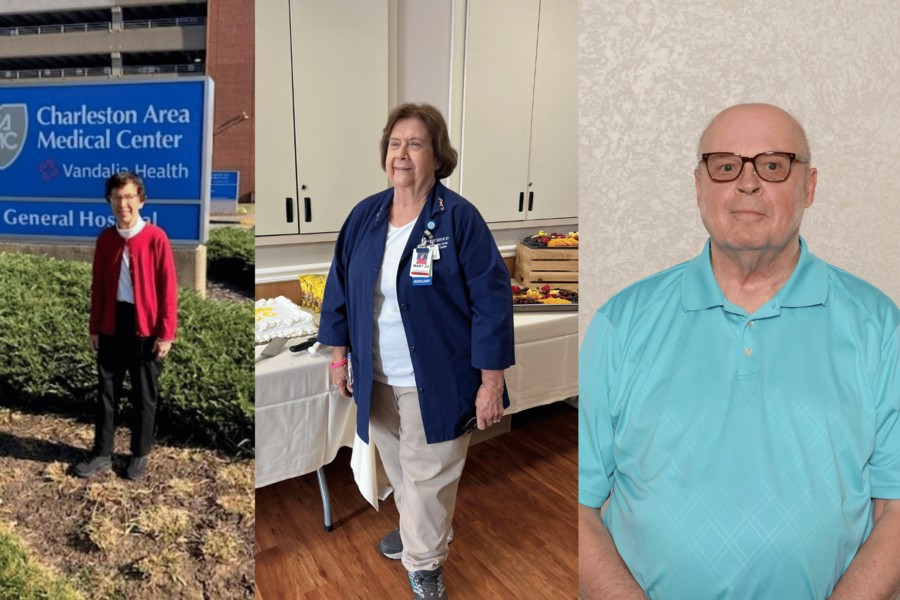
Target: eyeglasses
472,425
126,197
769,166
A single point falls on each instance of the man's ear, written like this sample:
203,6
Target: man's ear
811,180
697,184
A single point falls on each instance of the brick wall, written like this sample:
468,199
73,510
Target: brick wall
229,61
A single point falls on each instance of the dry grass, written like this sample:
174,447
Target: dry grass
220,546
165,524
85,434
180,488
237,475
184,532
56,472
102,531
8,417
9,475
242,505
97,585
162,568
110,494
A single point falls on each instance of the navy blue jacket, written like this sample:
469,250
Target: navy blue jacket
460,324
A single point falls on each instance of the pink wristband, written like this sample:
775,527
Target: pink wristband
338,364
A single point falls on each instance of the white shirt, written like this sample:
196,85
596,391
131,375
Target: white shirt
390,357
125,292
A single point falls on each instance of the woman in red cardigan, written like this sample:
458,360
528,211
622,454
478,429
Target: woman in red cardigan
134,306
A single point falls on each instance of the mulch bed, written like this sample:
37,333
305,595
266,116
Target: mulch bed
218,290
185,531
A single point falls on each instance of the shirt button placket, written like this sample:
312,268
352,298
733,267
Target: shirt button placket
750,350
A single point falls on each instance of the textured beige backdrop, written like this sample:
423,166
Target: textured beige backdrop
652,75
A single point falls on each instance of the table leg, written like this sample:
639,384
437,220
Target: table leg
326,499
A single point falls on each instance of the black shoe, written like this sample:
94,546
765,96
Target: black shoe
96,464
392,546
428,585
137,468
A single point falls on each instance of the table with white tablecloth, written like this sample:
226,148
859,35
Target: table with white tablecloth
546,368
301,422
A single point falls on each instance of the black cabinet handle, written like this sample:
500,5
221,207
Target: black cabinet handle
308,206
289,209
530,200
521,200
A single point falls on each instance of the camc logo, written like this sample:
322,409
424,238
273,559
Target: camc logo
13,129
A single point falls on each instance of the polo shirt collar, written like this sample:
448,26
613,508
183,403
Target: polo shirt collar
807,286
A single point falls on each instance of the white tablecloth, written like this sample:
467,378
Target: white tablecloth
546,368
301,422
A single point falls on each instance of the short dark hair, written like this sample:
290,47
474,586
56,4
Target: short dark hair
444,154
123,178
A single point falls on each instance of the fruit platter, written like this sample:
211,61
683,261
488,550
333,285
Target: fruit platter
544,299
543,239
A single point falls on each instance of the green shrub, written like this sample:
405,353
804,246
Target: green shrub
231,255
21,579
206,386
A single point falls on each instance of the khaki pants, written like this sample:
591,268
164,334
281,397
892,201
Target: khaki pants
424,476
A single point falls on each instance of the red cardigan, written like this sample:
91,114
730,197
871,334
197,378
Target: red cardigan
152,277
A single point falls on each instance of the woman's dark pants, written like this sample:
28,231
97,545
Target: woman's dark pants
118,354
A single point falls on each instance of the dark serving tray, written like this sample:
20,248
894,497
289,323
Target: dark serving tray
545,308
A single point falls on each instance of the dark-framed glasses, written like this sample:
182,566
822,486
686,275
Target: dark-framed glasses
125,197
472,425
769,166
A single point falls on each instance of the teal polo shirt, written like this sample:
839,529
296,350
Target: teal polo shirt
740,452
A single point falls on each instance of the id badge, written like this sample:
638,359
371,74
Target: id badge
435,252
420,269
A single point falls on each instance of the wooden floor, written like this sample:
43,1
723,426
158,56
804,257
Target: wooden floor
515,527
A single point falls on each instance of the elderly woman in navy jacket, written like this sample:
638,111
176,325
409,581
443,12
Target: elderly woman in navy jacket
425,334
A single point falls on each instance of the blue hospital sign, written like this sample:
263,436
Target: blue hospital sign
59,143
225,185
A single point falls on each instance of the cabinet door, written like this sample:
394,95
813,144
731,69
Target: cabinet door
499,80
276,175
340,68
554,132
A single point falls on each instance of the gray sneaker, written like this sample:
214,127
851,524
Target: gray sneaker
137,468
392,546
93,466
428,585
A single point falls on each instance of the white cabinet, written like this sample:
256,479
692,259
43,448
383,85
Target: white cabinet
519,148
553,168
322,100
276,170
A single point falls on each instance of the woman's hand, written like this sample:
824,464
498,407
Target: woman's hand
489,401
94,341
340,376
161,348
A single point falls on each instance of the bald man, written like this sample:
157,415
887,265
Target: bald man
740,410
